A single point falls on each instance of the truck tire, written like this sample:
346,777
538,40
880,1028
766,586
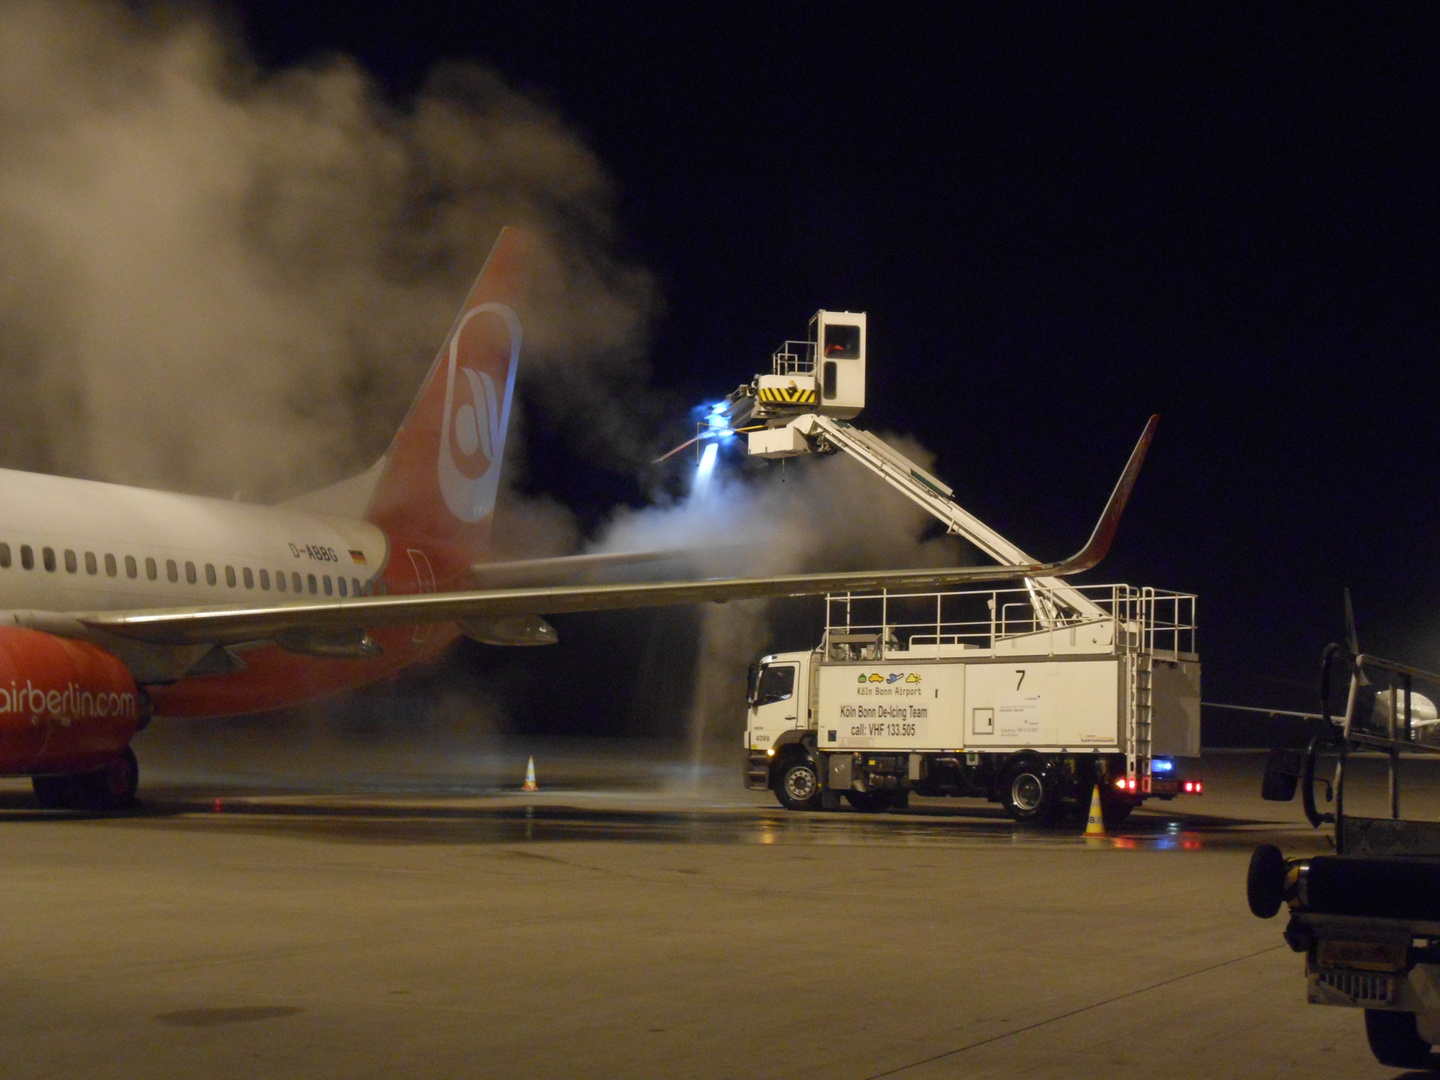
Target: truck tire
1114,809
1395,1041
1029,793
798,785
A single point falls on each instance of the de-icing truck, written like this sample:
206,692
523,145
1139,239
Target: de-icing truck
982,693
1030,696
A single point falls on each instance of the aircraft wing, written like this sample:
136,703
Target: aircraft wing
231,624
1263,711
553,569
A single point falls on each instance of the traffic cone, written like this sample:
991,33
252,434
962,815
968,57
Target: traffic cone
1095,824
530,784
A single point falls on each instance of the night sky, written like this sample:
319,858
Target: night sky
1060,218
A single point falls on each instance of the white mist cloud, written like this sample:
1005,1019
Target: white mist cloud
216,278
813,514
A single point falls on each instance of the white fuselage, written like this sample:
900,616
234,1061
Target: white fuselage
79,545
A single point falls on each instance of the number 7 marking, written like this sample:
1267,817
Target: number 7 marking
1021,673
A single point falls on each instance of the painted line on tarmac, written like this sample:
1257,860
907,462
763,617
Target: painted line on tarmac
1073,1012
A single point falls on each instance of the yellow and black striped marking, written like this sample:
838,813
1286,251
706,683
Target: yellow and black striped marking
787,395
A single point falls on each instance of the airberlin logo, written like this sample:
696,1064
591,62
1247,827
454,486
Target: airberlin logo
477,412
74,702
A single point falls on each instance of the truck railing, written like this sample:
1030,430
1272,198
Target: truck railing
1153,622
794,358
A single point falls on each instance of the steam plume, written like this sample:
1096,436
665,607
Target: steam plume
216,278
818,514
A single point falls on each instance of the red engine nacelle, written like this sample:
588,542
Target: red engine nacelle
65,706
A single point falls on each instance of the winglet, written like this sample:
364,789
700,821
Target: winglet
1098,546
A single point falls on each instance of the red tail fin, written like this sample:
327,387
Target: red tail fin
442,471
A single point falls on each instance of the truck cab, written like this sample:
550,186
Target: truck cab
779,727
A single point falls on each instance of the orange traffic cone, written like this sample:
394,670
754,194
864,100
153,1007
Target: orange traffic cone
1095,824
530,784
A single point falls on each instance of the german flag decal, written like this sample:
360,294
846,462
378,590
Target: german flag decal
787,395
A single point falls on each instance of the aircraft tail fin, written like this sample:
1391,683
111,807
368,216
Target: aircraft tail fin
440,477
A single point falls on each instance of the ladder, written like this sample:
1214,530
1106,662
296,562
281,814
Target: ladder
936,497
1140,711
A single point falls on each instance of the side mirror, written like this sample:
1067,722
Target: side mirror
1282,775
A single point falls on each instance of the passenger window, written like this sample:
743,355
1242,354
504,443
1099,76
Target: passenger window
355,586
172,571
5,556
325,584
48,555
91,566
110,568
230,576
150,569
264,579
295,580
131,570
280,581
209,573
340,582
249,578
190,576
72,564
27,557
311,579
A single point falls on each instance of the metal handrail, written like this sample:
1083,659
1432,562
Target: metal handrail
1156,622
794,358
1342,738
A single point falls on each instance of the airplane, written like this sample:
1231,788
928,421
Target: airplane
119,604
1368,707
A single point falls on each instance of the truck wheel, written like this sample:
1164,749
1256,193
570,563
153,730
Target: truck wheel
1028,793
1114,809
1395,1041
799,785
871,802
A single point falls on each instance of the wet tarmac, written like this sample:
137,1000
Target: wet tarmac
576,817
672,926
